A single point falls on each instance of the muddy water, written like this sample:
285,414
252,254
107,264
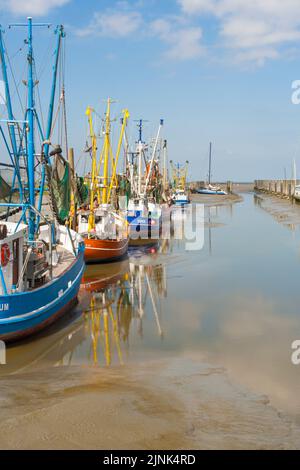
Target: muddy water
172,348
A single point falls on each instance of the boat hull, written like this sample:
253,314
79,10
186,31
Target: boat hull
144,231
103,251
181,202
211,191
26,313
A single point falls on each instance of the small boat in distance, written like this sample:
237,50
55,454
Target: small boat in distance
179,176
180,198
297,193
212,190
209,188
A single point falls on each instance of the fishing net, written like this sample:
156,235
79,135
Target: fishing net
82,191
58,176
59,183
5,189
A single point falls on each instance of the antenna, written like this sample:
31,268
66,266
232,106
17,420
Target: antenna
140,128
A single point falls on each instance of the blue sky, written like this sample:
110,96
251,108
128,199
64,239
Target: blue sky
218,70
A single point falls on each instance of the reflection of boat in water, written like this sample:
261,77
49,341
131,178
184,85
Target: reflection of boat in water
97,277
116,311
102,322
54,346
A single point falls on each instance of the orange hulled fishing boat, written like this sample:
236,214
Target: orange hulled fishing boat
103,228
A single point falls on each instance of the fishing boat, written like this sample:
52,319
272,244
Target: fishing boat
180,198
297,193
294,179
209,188
42,262
143,212
212,190
179,175
104,230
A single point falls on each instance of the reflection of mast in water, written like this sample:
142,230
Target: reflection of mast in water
209,232
104,328
145,280
113,310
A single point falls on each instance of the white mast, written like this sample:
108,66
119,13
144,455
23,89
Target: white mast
153,157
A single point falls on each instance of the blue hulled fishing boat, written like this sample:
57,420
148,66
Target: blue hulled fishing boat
41,262
143,213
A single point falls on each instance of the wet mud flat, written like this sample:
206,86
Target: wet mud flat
176,403
283,210
216,200
219,377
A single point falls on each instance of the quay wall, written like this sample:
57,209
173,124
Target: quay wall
283,188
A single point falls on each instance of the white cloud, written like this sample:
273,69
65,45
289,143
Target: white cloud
255,29
184,42
196,6
112,24
31,7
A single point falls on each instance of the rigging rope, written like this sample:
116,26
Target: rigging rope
13,76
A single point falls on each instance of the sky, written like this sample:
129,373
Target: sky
214,70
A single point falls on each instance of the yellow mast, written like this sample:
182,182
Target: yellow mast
94,183
109,177
179,175
125,118
107,153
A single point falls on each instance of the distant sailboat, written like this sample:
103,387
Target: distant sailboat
209,188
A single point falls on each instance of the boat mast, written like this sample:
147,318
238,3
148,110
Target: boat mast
60,34
153,156
106,153
140,152
93,188
165,172
114,179
11,123
30,113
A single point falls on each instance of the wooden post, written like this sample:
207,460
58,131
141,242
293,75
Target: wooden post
292,188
